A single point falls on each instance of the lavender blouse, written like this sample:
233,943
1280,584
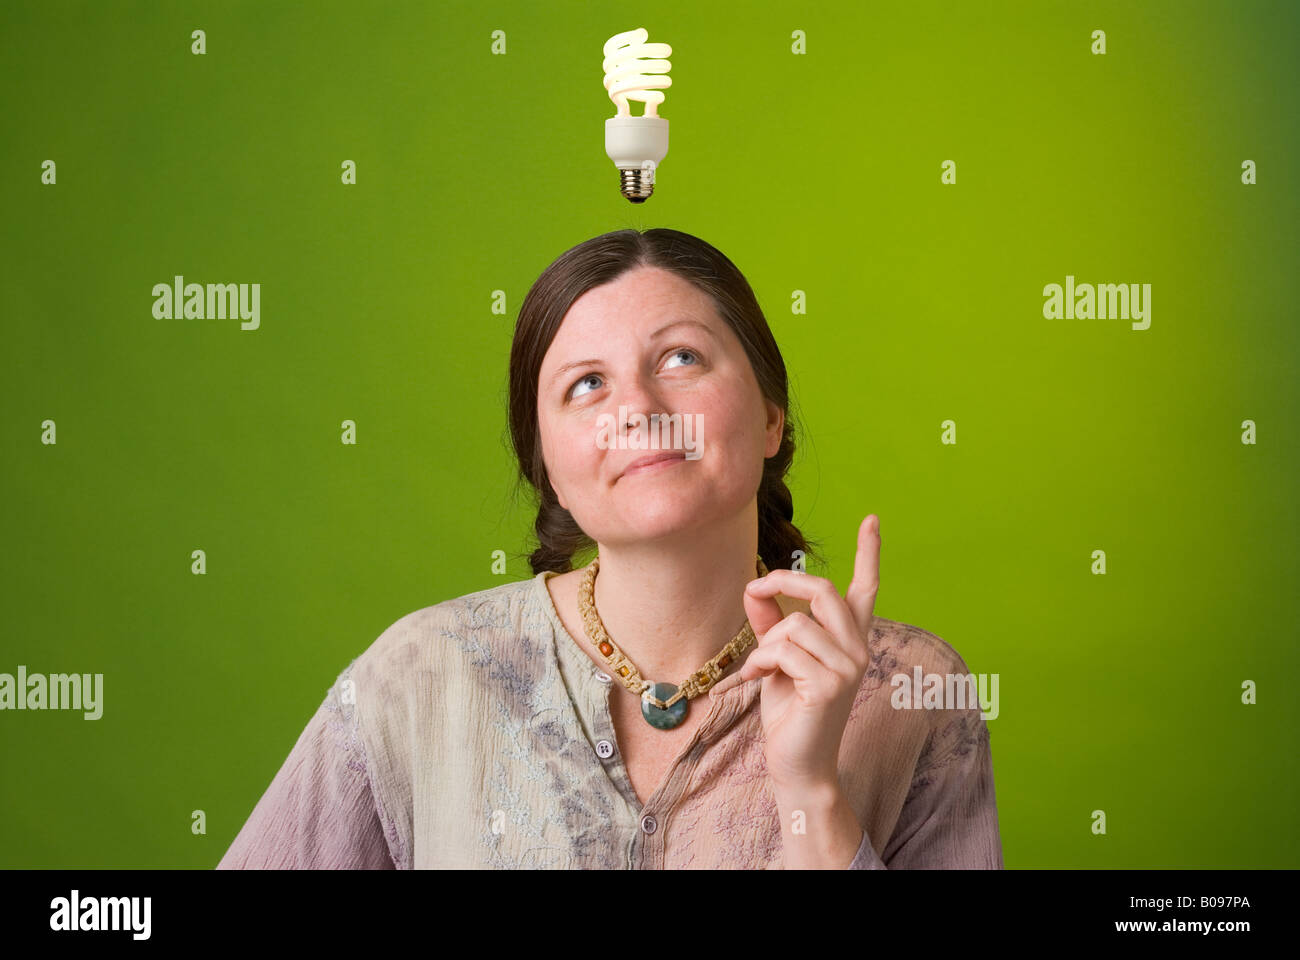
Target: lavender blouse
476,733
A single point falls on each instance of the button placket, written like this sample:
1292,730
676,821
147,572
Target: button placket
605,725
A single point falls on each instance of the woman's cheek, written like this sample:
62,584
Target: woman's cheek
585,449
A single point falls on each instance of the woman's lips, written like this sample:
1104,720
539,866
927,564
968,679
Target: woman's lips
659,461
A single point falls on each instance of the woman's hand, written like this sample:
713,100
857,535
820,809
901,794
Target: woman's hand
812,667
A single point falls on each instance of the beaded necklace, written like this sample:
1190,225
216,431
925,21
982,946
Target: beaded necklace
662,704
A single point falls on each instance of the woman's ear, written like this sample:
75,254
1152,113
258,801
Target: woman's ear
775,428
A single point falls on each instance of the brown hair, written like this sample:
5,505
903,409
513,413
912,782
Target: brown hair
601,260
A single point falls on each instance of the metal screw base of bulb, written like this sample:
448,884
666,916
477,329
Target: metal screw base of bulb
635,185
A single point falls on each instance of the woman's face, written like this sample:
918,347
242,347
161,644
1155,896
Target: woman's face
652,343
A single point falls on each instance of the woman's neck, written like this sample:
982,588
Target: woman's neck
671,609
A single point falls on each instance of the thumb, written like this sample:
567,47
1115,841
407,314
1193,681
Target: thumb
764,613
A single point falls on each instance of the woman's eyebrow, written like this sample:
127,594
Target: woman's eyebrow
565,367
678,323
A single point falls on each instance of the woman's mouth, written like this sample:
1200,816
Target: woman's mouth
655,462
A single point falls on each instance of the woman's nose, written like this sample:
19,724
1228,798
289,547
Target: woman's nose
637,397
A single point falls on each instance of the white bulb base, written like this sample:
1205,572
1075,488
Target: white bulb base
637,145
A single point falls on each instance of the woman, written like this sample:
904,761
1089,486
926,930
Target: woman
653,706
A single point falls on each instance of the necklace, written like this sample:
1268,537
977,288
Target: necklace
662,704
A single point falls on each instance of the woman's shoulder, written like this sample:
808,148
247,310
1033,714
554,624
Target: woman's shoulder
486,623
919,682
899,645
913,711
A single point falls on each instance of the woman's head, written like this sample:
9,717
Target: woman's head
635,324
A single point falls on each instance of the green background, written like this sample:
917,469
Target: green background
816,172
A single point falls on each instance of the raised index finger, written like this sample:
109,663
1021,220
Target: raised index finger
861,595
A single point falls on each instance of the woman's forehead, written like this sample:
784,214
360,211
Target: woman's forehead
640,295
632,321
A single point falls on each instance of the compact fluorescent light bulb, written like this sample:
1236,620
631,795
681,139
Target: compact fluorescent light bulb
637,145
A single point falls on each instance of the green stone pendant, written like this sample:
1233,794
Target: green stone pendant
663,719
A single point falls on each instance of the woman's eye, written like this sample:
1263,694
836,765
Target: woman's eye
574,392
689,353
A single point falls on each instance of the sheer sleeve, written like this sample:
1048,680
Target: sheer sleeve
319,812
950,817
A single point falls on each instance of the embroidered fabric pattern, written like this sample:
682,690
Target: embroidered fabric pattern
344,724
946,743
